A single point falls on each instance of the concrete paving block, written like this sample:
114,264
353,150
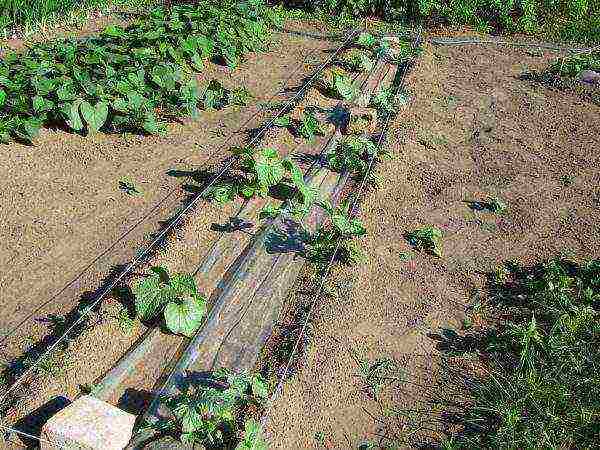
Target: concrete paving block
88,424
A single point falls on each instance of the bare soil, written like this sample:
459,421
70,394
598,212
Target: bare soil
63,208
473,130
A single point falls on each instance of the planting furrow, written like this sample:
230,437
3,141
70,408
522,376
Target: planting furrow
248,300
157,349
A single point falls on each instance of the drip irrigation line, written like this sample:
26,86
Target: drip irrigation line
325,273
475,41
164,232
30,436
147,215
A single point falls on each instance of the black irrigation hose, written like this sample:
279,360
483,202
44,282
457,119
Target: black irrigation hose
140,257
143,218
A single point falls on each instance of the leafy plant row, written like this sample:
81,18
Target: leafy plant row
133,78
573,20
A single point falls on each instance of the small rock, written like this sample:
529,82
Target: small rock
88,424
590,76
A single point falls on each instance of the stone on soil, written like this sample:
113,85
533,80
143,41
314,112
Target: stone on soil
88,424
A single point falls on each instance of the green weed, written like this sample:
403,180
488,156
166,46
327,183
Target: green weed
541,383
128,187
428,238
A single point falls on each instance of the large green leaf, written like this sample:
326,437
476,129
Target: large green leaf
184,317
269,168
164,76
150,297
94,116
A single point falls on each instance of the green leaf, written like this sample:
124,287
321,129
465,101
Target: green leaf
344,87
74,118
94,116
164,76
283,121
150,297
213,95
184,317
259,387
114,31
41,105
269,169
2,97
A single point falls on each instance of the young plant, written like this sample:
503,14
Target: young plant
357,60
353,155
338,233
338,85
174,297
240,96
383,101
207,412
427,238
366,40
264,169
496,205
310,126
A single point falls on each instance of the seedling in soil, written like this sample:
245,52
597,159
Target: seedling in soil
427,238
567,180
383,101
208,412
338,85
366,40
496,205
128,187
126,323
264,169
357,61
283,121
338,233
353,155
240,96
376,374
493,204
174,297
309,126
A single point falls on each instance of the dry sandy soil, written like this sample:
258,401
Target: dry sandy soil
62,203
473,130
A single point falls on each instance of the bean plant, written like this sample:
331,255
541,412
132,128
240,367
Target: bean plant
208,412
175,297
337,233
132,78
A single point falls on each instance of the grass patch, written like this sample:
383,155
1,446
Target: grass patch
536,381
27,16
